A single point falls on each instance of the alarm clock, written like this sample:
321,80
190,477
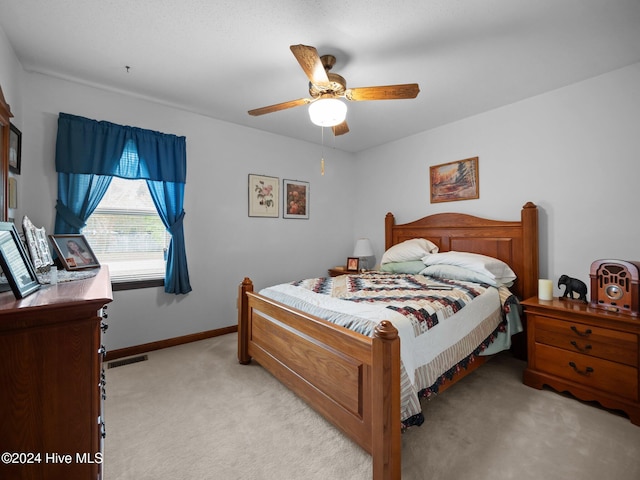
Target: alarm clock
615,286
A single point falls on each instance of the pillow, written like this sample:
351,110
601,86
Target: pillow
453,272
413,267
409,251
489,266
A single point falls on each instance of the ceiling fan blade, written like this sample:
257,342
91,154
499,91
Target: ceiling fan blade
340,129
279,106
388,92
310,62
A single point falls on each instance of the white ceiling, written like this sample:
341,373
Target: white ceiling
221,58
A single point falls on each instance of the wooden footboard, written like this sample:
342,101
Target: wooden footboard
350,379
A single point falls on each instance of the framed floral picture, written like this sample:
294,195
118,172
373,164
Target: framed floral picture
263,196
455,181
295,199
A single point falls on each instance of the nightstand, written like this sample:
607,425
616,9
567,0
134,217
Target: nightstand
337,271
588,352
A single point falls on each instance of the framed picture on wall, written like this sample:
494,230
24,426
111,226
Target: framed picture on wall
295,199
454,181
263,196
15,149
74,251
15,262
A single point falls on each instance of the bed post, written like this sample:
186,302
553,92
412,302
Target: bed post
530,248
243,321
385,392
389,222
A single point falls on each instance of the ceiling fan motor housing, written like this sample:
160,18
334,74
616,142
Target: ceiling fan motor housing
336,88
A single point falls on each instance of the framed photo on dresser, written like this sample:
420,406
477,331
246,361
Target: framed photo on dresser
74,251
15,262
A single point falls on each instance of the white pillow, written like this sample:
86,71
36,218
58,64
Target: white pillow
489,266
453,272
409,250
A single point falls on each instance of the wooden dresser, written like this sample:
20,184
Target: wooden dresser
52,381
591,353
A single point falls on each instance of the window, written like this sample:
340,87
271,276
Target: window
89,153
126,233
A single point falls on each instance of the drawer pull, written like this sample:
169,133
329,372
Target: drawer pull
579,348
586,333
585,372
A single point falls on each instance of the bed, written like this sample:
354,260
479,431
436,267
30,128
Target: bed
354,380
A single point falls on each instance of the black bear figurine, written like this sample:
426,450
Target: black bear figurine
573,285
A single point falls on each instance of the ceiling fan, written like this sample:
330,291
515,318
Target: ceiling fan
326,87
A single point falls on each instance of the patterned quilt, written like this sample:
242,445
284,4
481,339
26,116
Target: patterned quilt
423,300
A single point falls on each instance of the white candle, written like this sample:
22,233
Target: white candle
545,289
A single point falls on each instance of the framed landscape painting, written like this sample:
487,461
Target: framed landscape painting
454,181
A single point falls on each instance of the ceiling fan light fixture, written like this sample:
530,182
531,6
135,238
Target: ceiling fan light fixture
327,112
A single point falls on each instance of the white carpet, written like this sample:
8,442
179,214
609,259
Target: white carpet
192,412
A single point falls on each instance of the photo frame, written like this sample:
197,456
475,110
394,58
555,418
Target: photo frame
454,181
15,149
15,262
295,199
74,251
264,196
353,264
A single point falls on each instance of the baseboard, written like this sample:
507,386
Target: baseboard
170,342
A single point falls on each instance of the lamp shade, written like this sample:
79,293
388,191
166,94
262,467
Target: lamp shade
327,112
363,248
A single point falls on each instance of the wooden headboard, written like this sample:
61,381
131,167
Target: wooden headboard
515,243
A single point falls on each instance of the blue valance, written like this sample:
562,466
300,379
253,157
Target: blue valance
86,146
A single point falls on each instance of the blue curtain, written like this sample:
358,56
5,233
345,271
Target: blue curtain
90,153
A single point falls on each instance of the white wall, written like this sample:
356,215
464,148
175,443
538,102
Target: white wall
9,77
575,152
11,87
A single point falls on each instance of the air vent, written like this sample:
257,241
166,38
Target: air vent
127,361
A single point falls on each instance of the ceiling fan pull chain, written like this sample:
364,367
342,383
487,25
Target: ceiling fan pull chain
322,155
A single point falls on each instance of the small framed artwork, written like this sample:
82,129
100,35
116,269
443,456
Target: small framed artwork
295,199
15,262
12,188
455,181
74,251
15,149
353,264
263,196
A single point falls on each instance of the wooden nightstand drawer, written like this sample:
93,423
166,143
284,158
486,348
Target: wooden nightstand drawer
589,340
589,371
